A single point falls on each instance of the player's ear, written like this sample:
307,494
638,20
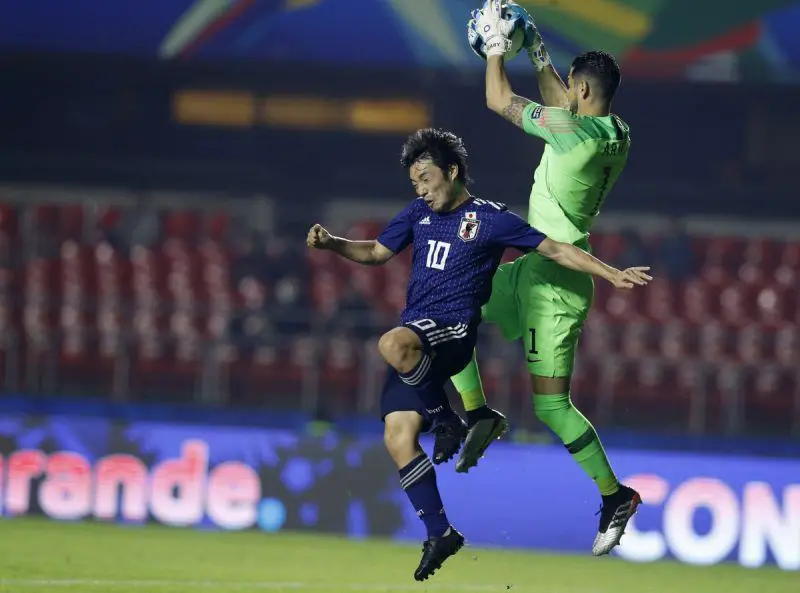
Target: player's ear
583,88
452,172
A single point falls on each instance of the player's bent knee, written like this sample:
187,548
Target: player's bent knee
399,348
549,385
550,408
401,436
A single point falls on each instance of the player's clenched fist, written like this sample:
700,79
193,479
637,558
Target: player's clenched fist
631,277
318,237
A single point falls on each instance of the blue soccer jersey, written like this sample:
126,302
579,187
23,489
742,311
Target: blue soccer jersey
456,254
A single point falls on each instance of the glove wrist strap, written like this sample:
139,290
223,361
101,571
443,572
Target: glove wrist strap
539,58
496,45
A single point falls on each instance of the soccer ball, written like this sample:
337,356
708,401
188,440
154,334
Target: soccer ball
519,17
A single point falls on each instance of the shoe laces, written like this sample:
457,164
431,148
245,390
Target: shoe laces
613,515
427,545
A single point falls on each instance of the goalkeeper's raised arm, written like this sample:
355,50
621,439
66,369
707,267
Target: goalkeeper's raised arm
494,30
500,97
493,26
551,86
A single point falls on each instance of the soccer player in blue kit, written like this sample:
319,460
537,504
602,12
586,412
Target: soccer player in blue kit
458,242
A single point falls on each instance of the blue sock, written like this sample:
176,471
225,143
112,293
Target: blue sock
418,479
432,396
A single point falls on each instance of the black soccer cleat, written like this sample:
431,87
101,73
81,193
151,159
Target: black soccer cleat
615,513
450,433
436,550
482,433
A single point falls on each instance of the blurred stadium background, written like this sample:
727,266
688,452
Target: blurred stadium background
170,352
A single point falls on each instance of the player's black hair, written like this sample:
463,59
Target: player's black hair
442,147
600,66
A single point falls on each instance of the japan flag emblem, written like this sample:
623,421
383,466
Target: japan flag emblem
468,229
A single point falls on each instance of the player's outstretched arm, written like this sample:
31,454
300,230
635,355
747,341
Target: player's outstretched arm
369,253
577,259
500,97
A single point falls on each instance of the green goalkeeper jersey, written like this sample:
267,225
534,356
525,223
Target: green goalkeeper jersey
583,158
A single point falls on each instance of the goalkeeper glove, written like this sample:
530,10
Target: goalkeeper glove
533,43
492,28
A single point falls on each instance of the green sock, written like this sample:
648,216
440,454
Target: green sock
579,437
469,386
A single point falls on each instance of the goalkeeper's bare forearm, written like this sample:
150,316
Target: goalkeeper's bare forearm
551,87
500,97
499,94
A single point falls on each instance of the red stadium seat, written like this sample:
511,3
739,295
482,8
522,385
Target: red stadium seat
368,281
70,221
787,344
700,301
617,386
714,342
657,399
600,336
788,271
623,305
677,341
772,399
165,374
366,230
607,247
760,261
661,301
256,379
495,375
775,304
8,221
326,289
520,398
108,218
692,381
341,376
750,344
216,225
586,383
725,389
720,260
46,220
637,340
737,303
88,362
181,224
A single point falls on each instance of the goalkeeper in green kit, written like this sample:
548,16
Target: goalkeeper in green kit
586,148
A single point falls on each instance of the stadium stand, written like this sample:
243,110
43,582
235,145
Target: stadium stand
131,301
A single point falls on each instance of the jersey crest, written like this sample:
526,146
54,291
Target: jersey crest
468,229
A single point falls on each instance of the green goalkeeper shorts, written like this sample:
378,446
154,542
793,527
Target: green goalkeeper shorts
545,304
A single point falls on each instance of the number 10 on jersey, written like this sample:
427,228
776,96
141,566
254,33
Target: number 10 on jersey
437,254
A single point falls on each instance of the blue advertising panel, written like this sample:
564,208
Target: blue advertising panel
698,509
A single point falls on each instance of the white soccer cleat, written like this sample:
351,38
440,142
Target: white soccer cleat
617,510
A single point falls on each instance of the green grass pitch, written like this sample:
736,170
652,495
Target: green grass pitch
42,556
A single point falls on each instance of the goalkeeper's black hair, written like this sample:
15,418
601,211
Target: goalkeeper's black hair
442,147
600,66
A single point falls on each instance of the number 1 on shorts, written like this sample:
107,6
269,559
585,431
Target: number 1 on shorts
533,352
